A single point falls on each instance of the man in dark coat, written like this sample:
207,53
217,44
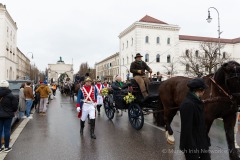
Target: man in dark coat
194,141
138,68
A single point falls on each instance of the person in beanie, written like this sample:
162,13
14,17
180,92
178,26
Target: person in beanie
138,68
99,86
8,105
86,104
44,91
194,141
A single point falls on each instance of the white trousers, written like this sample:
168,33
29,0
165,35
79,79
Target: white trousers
88,109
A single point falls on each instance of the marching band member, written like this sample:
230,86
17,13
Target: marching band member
86,104
105,84
99,86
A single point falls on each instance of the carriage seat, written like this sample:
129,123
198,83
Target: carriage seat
153,88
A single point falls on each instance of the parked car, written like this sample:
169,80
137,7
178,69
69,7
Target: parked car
14,86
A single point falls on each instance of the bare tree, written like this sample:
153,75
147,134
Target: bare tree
204,61
84,68
171,68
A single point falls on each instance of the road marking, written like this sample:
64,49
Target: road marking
160,128
16,134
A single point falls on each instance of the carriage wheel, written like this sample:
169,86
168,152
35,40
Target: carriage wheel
109,110
135,116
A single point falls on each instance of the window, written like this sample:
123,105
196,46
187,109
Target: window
187,67
132,58
158,40
224,55
7,32
158,58
127,44
110,64
196,53
123,61
123,46
132,41
187,52
146,57
127,60
197,67
168,41
168,59
146,39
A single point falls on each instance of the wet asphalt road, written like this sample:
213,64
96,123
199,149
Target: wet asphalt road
56,137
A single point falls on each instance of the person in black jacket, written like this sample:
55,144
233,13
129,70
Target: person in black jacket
8,105
194,141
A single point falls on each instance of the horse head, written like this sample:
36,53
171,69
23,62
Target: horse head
228,77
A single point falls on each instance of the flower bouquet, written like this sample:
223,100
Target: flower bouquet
129,98
104,91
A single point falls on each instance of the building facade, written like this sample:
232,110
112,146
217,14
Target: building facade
55,70
8,45
108,68
162,46
23,66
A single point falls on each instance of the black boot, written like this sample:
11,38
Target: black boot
92,128
98,109
82,127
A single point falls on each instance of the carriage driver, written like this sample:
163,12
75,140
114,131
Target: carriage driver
86,104
138,68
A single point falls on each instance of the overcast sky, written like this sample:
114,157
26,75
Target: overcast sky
87,31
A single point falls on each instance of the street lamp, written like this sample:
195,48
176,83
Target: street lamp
30,63
209,19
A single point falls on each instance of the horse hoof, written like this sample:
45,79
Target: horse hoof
170,138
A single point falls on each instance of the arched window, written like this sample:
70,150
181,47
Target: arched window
146,39
146,57
224,55
158,40
197,67
196,53
168,41
168,59
158,58
187,67
187,52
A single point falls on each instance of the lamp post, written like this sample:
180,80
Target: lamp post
30,63
209,19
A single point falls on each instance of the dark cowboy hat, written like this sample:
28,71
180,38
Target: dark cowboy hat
138,55
197,83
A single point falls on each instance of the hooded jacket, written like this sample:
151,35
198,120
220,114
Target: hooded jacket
44,91
8,103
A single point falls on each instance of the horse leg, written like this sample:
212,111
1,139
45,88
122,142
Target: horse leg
229,123
168,117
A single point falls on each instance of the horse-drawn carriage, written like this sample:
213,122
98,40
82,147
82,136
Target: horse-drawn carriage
137,109
67,88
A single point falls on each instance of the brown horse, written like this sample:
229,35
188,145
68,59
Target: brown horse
221,100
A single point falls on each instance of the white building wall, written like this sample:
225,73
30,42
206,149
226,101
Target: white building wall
140,31
8,31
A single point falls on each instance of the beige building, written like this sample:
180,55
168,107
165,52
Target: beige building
23,65
55,70
108,68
